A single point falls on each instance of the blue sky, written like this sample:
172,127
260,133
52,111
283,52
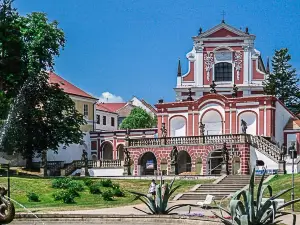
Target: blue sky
131,47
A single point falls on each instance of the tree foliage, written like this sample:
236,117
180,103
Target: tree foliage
43,116
283,81
138,118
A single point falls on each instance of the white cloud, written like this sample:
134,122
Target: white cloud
109,97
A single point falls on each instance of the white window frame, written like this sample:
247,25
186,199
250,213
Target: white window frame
86,110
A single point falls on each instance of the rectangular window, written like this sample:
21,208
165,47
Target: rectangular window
85,110
104,120
112,121
98,119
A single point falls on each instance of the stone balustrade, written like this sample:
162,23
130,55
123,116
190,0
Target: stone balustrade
189,140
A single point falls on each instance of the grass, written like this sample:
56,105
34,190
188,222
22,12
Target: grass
281,182
20,187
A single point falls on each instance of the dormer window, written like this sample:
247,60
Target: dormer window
223,72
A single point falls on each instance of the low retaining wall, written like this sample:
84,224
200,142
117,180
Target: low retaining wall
116,219
177,177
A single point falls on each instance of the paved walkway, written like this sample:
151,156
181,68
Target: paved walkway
129,210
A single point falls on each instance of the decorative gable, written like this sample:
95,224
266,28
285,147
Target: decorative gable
223,33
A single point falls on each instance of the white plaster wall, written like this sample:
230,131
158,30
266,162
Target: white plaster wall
108,126
138,103
72,152
282,116
256,155
212,106
178,126
102,172
250,119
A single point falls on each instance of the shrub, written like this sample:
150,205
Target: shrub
67,196
116,186
68,183
106,183
118,193
95,189
61,182
88,182
33,197
107,195
77,185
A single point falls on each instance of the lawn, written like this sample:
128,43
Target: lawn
20,187
281,182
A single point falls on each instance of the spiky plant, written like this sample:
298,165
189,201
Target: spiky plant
245,210
160,204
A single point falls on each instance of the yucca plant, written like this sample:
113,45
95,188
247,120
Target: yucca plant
160,204
245,210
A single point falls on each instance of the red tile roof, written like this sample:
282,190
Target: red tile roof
67,86
110,107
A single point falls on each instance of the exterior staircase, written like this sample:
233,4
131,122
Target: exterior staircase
224,188
265,147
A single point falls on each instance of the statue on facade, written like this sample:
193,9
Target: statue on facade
174,155
213,87
292,150
189,98
234,91
163,130
200,31
202,128
225,154
244,126
127,156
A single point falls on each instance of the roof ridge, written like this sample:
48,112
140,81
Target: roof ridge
64,80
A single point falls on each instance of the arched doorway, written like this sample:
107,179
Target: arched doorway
107,151
120,150
214,162
184,162
147,164
236,165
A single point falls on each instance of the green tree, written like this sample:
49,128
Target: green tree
43,116
282,82
138,118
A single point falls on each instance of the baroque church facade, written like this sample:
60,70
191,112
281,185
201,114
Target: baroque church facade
219,101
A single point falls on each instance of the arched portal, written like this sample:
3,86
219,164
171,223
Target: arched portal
147,164
107,151
177,126
184,162
120,150
214,162
213,122
236,165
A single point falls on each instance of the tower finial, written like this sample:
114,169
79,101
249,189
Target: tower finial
179,69
268,66
223,16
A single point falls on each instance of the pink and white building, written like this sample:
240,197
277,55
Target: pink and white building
228,57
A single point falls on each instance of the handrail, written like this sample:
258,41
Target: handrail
209,171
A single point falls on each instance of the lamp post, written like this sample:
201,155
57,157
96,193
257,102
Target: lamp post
293,149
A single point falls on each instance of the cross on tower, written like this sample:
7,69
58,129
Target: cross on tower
223,16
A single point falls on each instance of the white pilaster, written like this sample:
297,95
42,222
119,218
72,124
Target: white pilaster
199,66
246,65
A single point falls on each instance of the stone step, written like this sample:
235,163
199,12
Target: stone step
202,197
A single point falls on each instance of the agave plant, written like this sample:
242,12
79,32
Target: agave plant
160,204
245,210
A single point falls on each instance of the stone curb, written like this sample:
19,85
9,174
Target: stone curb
131,217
